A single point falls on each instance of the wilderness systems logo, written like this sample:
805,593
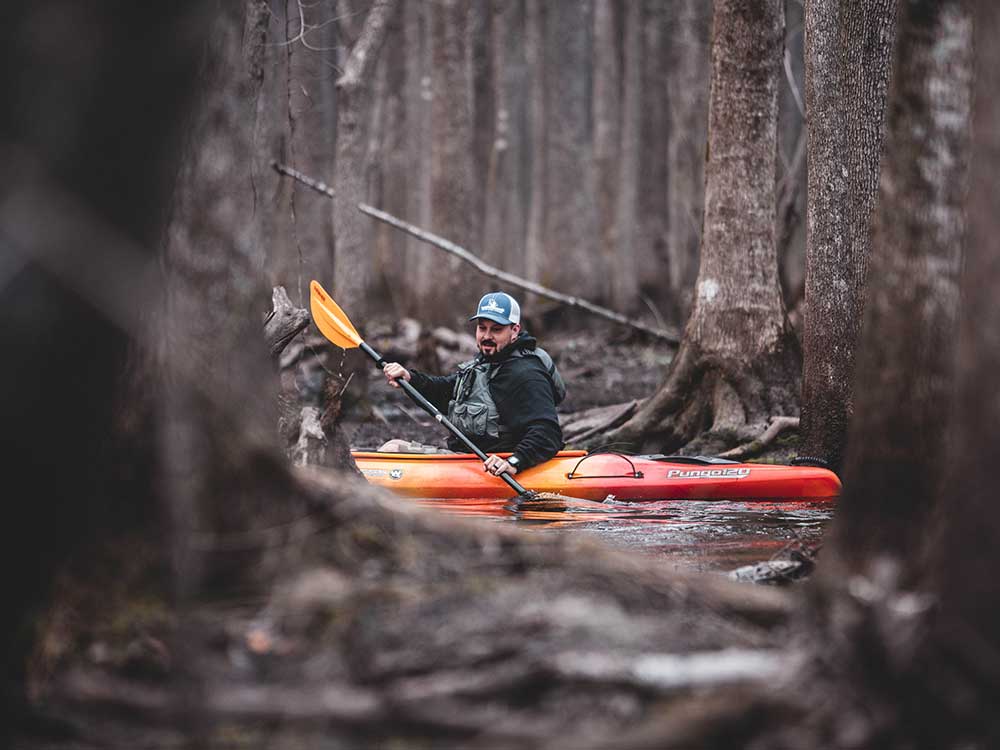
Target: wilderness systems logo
708,473
492,306
392,473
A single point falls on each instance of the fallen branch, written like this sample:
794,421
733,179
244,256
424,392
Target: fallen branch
777,426
668,335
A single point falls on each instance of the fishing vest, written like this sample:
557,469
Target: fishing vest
472,409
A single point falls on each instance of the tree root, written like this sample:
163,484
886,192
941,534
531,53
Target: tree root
776,427
727,402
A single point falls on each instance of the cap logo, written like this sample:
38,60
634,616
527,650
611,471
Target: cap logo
492,306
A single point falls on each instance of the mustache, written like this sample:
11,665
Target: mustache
487,342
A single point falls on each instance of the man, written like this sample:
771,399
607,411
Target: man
505,399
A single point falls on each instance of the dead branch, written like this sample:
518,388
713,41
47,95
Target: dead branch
283,322
530,286
777,426
668,335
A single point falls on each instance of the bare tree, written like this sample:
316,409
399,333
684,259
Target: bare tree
627,269
569,237
893,468
353,268
452,178
534,54
653,166
506,171
902,616
216,300
848,56
688,91
738,363
969,595
607,114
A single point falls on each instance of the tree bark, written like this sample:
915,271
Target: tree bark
353,268
569,239
607,116
893,468
89,148
216,303
689,73
848,56
738,362
967,633
627,267
451,152
653,173
534,53
302,242
504,230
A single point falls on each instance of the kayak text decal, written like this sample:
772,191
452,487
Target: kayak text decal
391,473
708,473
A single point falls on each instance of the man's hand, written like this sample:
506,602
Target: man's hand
497,466
393,371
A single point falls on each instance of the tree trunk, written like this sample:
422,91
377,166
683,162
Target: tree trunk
967,633
89,153
688,100
607,136
534,53
507,186
216,303
397,174
791,187
738,363
893,467
903,619
653,177
569,240
627,267
353,269
308,134
451,168
848,48
419,99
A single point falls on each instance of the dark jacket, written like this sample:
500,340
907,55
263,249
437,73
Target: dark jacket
525,399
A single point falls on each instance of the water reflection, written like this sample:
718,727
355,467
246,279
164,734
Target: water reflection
701,534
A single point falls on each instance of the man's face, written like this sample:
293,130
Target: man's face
491,337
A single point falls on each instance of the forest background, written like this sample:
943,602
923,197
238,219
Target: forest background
174,579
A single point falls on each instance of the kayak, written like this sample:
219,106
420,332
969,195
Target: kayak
594,476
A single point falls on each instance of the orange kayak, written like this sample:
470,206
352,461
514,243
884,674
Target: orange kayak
594,476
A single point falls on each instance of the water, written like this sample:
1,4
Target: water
717,535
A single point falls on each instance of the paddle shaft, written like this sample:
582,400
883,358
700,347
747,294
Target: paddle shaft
427,406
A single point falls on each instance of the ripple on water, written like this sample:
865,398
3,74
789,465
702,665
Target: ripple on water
700,534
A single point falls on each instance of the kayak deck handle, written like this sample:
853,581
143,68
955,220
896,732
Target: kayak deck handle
575,474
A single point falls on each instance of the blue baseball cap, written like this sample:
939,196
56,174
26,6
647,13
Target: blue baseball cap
499,307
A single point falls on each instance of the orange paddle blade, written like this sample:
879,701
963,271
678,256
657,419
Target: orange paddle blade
330,319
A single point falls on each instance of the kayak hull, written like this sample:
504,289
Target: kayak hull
595,476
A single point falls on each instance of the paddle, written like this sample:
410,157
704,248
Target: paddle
335,325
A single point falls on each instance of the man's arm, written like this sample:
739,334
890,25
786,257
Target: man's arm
435,388
528,410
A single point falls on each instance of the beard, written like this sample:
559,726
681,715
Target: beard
489,348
